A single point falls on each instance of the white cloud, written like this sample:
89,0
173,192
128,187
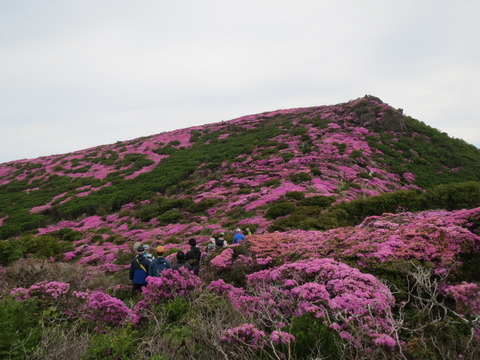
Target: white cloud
76,75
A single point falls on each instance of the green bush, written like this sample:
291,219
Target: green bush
271,183
313,337
278,209
244,190
454,196
300,177
20,328
297,195
317,200
41,247
170,217
287,156
119,343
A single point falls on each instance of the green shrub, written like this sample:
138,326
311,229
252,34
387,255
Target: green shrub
201,206
170,217
297,195
313,337
41,247
176,309
300,177
119,343
464,195
317,200
287,156
97,238
20,329
244,190
271,183
278,209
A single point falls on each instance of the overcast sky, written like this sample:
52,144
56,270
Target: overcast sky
80,73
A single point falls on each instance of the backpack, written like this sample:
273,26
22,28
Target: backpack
157,266
219,242
149,257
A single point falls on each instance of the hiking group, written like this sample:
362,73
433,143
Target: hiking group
146,264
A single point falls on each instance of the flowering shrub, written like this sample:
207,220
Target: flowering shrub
281,337
357,304
105,309
223,260
42,290
246,334
467,297
172,284
435,237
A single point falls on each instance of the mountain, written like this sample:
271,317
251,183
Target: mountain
356,188
237,168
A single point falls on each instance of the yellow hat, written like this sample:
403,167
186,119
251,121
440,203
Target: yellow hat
160,249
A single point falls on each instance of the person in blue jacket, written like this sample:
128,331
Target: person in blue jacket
159,264
238,236
139,270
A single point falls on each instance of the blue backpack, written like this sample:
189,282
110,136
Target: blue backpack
157,266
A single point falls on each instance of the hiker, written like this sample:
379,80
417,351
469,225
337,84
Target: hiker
159,264
247,230
136,246
193,256
148,256
181,262
220,242
211,246
238,236
139,270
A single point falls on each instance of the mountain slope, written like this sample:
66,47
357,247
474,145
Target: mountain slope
366,239
347,151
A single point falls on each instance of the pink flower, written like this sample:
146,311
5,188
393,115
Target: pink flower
281,337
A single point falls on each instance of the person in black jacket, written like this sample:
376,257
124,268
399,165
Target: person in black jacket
181,262
193,256
139,270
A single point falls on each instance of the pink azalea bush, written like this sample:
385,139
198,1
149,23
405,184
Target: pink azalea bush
355,304
171,284
224,259
434,237
105,309
467,297
42,290
246,334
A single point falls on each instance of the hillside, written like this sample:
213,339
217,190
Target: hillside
237,168
347,203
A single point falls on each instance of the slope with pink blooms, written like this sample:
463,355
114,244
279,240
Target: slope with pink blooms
366,239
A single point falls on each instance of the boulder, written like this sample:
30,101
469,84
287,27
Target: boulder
393,121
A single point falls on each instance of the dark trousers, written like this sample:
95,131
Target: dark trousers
137,288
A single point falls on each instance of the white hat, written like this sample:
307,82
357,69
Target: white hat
212,240
238,230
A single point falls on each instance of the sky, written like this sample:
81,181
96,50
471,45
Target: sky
75,74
